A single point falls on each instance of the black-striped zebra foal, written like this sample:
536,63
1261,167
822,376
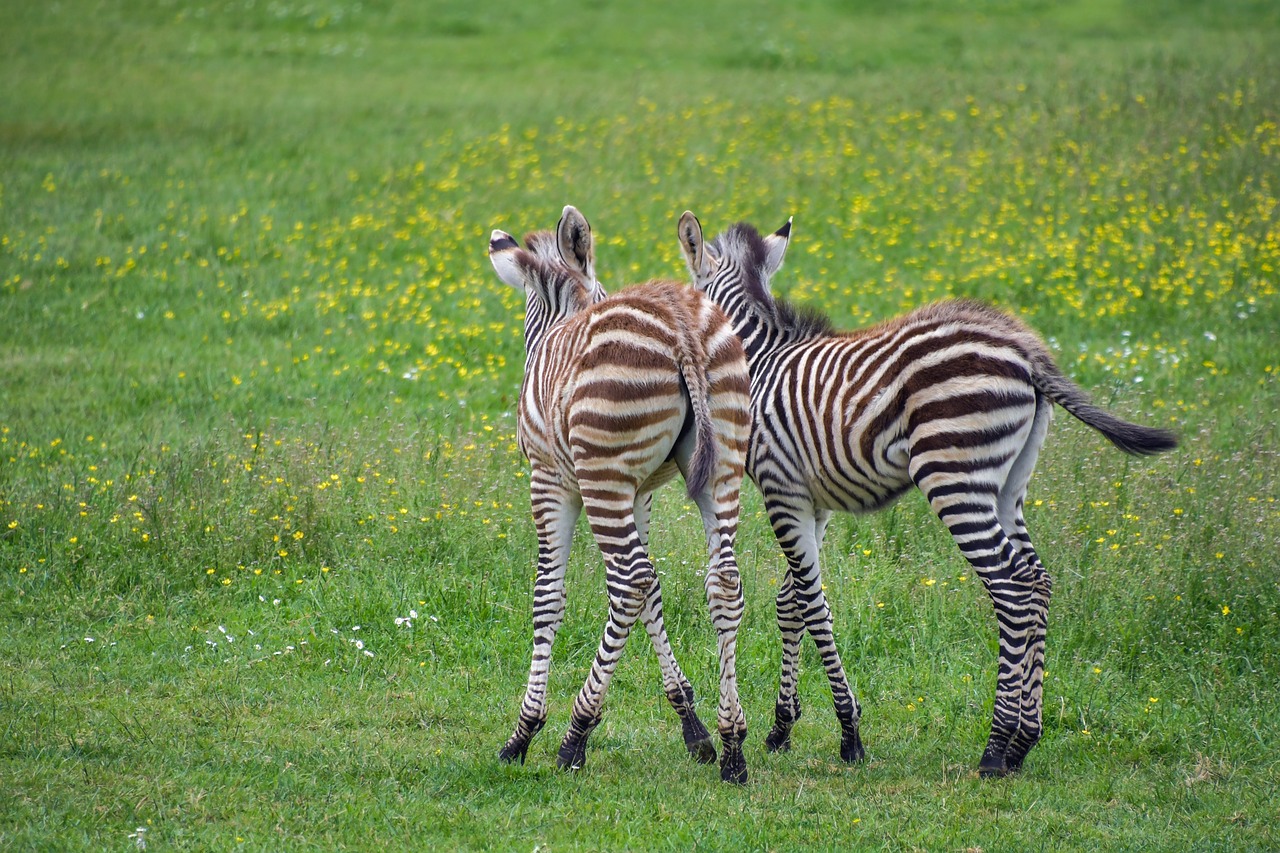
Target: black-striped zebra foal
954,398
618,394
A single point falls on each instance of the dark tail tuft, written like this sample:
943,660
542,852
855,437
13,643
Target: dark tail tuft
1129,437
1132,438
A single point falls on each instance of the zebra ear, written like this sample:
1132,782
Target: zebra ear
695,253
776,247
573,237
504,254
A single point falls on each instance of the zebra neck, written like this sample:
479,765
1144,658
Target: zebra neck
761,336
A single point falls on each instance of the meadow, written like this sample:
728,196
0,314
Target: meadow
265,548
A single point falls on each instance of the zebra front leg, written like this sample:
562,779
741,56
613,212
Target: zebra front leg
628,579
787,530
791,628
796,527
555,513
851,748
697,740
818,624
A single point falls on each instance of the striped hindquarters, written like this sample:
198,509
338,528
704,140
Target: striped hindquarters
617,385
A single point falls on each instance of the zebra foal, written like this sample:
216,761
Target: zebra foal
620,393
954,398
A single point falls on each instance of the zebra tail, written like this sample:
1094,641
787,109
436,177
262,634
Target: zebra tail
1130,437
703,459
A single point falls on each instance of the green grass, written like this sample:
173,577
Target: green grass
257,383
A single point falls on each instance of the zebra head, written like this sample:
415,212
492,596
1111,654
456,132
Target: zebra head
555,271
735,270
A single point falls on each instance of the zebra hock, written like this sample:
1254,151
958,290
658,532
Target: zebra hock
619,394
954,398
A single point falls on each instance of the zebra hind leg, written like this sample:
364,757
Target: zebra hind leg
628,579
970,515
697,740
1030,726
725,601
517,746
1010,583
719,508
679,692
555,516
1010,501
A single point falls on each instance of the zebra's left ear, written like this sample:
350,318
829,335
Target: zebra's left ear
573,237
504,254
689,231
776,247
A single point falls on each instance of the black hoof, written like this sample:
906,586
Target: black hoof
572,756
518,745
573,749
697,739
703,751
851,748
1017,752
733,767
778,739
992,767
511,753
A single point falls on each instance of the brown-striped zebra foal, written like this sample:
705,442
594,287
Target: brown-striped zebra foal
618,394
954,398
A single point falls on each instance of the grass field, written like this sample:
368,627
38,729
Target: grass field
265,554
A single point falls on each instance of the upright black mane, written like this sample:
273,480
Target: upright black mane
743,242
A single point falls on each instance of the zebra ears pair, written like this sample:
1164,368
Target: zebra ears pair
702,260
571,246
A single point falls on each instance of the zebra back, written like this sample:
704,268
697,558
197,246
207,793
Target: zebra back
737,266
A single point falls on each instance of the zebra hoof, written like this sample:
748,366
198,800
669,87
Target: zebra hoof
703,751
851,748
510,754
992,768
516,748
697,739
572,758
1018,750
778,740
733,767
573,752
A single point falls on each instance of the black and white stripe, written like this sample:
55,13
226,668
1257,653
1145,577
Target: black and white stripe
619,393
954,398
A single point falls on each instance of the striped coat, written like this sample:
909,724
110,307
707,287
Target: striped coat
954,399
619,395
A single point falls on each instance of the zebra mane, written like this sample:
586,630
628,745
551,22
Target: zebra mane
744,243
542,245
564,291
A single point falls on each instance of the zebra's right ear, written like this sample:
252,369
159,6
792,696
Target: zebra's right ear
691,244
776,247
573,238
504,254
